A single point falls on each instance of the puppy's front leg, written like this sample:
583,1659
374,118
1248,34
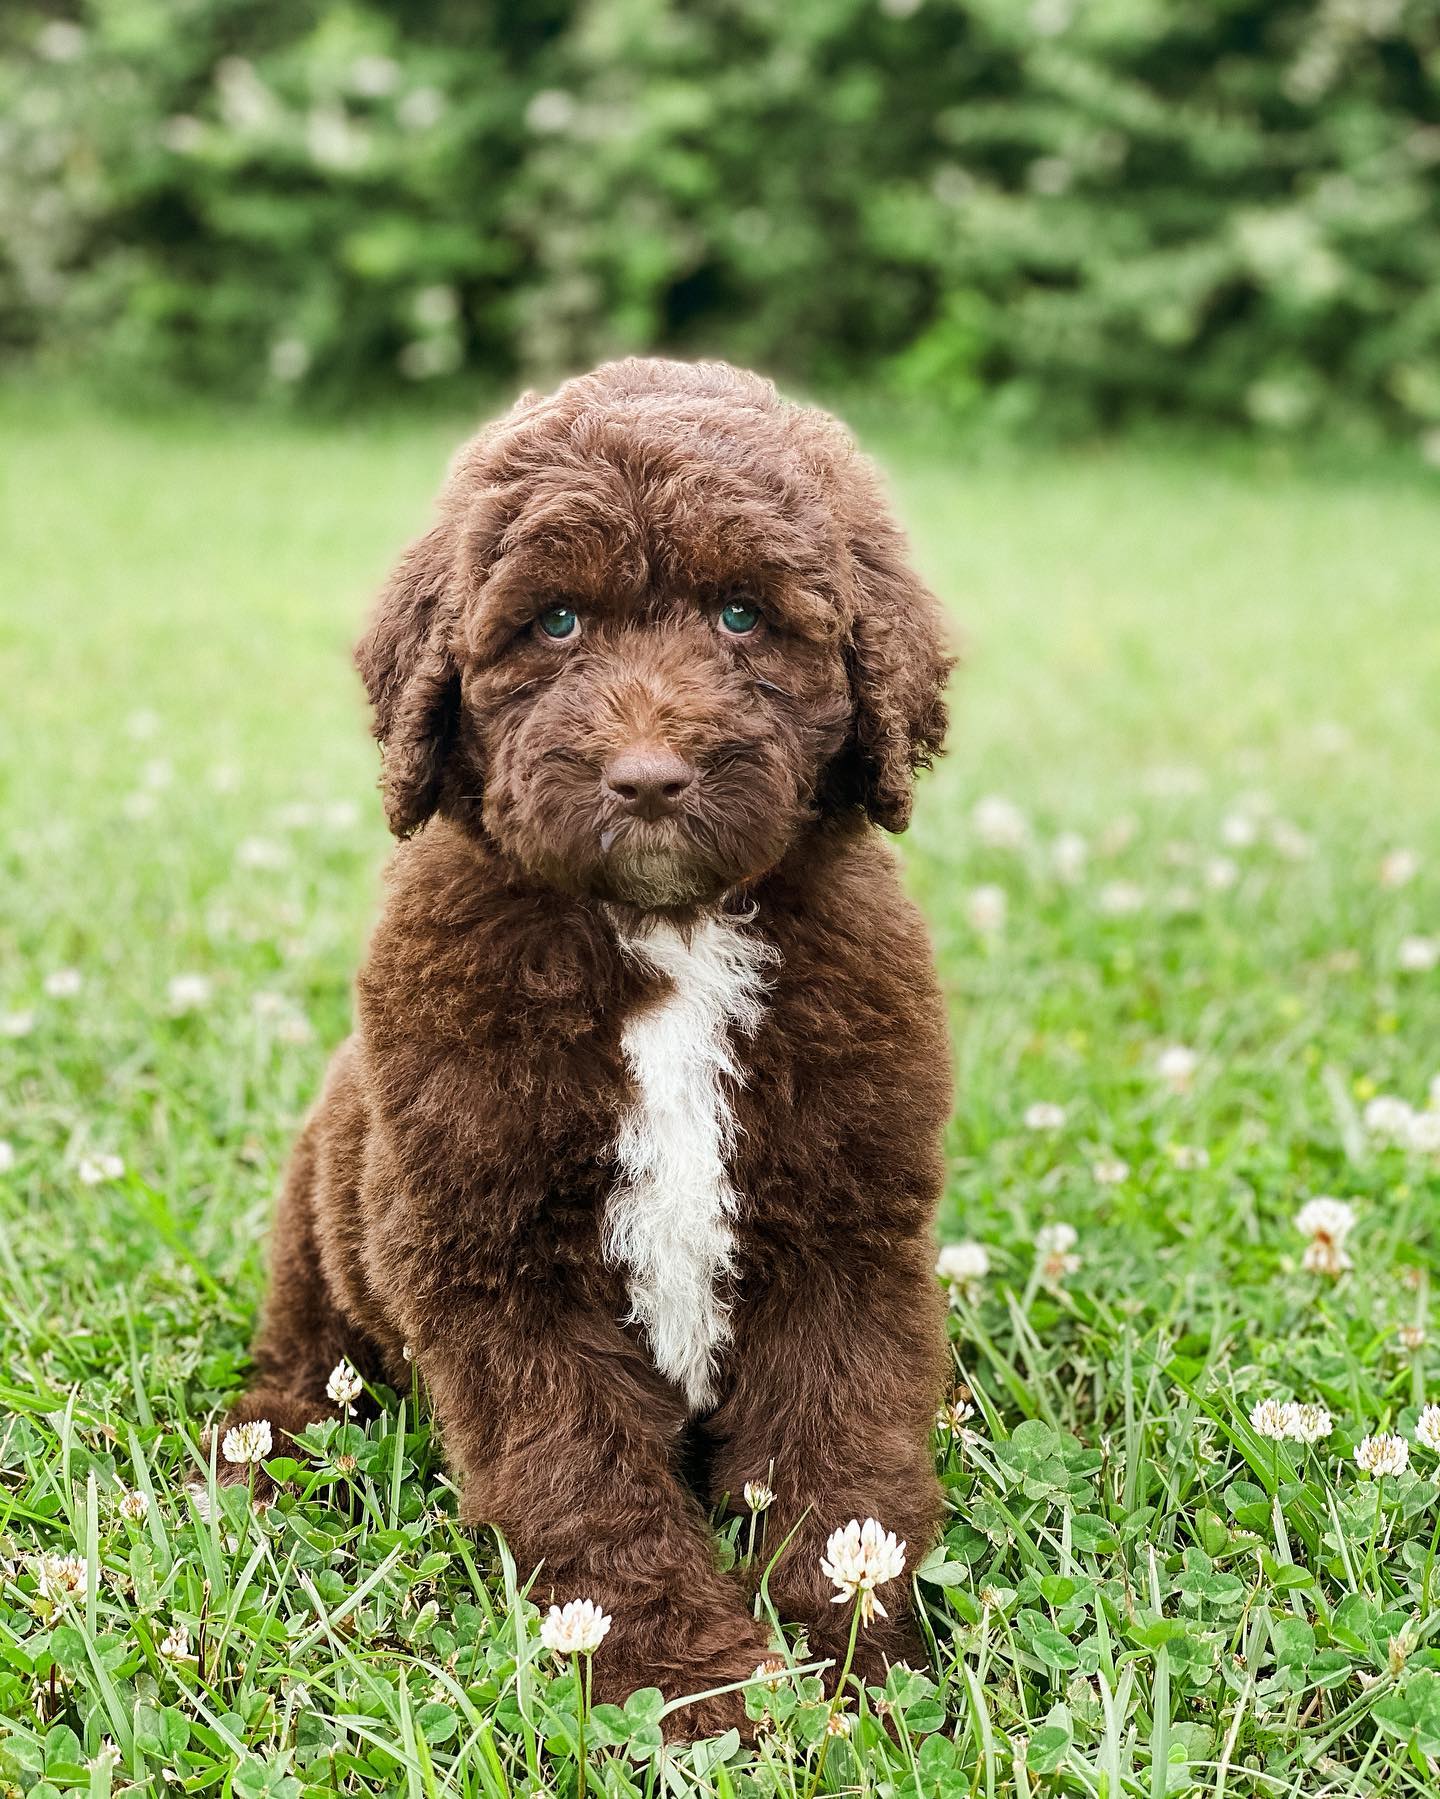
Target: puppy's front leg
837,1377
566,1443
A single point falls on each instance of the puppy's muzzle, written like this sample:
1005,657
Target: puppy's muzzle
648,781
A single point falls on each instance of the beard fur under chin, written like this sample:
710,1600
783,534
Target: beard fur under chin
658,880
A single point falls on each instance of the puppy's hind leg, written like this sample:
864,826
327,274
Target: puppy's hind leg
302,1336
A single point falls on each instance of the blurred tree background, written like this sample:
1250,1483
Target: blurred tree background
1058,212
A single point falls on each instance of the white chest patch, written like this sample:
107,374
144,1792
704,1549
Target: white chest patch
669,1219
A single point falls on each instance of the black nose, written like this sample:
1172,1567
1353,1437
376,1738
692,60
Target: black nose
649,780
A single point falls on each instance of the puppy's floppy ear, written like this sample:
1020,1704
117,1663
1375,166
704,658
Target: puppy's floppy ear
899,662
405,662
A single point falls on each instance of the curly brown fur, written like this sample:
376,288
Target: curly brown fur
450,1196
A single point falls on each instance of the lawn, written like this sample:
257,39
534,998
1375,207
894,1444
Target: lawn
1183,870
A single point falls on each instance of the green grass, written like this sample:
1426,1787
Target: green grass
1137,1594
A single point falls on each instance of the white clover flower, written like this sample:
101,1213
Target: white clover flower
1068,856
59,1576
16,1024
188,992
1398,868
1418,955
1175,1066
1384,1453
175,1645
1044,1115
64,983
986,907
1221,873
200,1499
1422,1134
1110,1172
1412,1336
250,1442
577,1628
1388,1118
1332,1219
1055,1244
857,1559
7,1155
344,1385
135,1506
771,1673
1307,1423
1427,1428
1238,831
1399,1650
837,1723
758,1496
953,1416
1270,1419
92,1170
1323,1255
1119,899
999,823
1327,1222
1188,1157
963,1262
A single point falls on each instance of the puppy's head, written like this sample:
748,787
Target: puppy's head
663,624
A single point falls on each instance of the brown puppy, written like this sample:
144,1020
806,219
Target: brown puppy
635,1147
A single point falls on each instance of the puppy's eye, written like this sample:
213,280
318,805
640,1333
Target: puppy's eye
738,619
560,621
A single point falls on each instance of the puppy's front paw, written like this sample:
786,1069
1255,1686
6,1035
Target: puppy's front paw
710,1718
704,1655
876,1652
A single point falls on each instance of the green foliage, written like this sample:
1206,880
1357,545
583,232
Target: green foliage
1066,210
1135,1592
